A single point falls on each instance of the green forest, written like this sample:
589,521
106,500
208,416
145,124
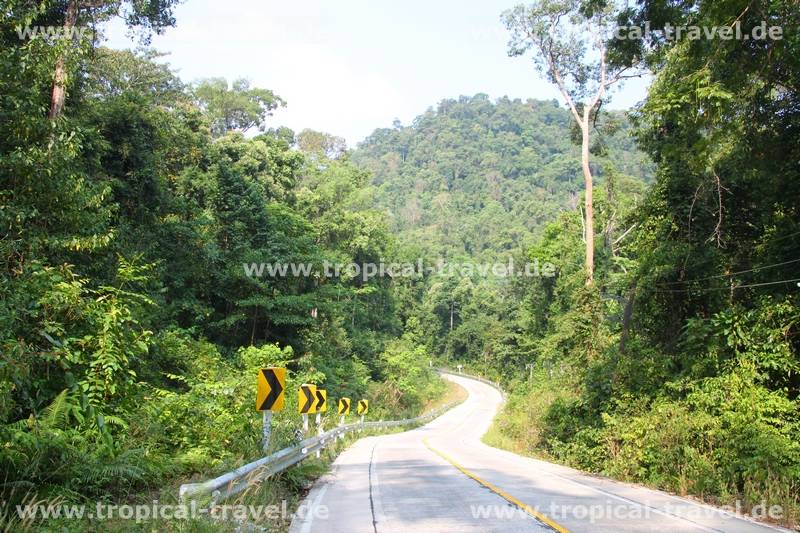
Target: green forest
127,317
131,201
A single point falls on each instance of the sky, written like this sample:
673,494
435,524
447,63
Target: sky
352,66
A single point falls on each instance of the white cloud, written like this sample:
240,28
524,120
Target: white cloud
325,92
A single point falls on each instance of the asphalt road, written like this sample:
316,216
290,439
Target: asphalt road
441,477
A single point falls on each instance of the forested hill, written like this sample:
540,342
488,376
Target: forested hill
478,177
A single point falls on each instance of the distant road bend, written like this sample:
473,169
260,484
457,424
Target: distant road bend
442,478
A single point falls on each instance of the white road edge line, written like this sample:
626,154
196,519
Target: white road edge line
600,491
377,503
682,500
642,505
634,502
309,519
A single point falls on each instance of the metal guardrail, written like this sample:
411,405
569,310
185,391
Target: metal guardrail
238,480
493,384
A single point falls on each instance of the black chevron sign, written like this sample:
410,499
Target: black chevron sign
363,407
307,398
322,401
271,385
344,406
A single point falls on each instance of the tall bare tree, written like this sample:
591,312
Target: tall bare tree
147,15
568,43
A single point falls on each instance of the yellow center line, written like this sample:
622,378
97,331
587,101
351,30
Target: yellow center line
500,492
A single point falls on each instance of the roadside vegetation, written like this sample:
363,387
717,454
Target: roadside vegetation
677,364
130,334
131,201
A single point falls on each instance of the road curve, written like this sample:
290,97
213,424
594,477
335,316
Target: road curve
442,478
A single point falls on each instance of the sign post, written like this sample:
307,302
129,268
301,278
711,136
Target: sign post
363,407
270,397
344,409
459,368
321,406
306,402
266,431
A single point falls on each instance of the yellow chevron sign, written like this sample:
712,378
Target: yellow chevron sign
306,398
363,407
344,406
322,401
270,390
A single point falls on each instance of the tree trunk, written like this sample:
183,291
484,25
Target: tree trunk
587,178
627,315
253,331
451,316
60,75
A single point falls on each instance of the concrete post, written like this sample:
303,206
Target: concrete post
266,430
